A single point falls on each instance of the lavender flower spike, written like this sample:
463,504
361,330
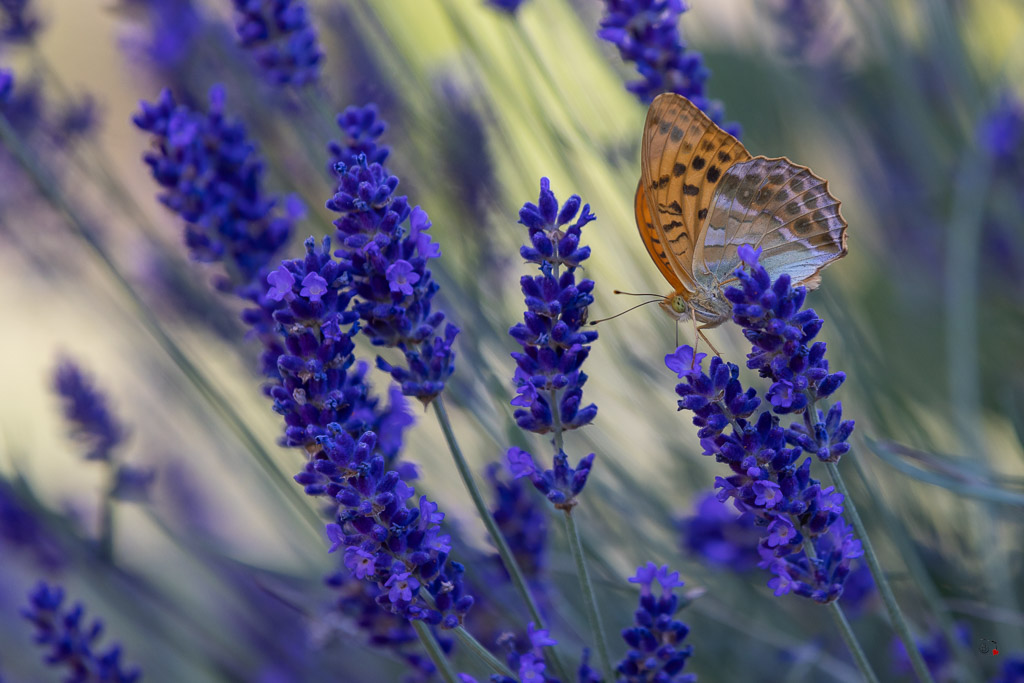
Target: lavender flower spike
646,32
281,37
656,636
768,480
317,381
781,333
72,640
385,250
548,376
386,542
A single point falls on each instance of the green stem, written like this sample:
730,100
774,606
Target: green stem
589,599
851,642
483,653
507,558
884,589
434,651
106,545
49,188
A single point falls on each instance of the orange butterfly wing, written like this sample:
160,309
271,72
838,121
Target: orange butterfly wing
683,158
652,237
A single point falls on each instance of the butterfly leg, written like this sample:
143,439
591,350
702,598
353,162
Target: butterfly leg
700,331
696,336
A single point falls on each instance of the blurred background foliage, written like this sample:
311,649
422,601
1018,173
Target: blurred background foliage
219,577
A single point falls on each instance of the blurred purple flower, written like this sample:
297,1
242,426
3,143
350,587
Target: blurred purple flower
522,522
936,652
6,84
77,120
212,177
22,528
71,639
18,21
1012,670
85,409
808,31
281,37
509,6
720,536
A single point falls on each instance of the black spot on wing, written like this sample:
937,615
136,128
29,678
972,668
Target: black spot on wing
702,214
713,174
691,190
677,134
678,169
724,157
698,163
672,208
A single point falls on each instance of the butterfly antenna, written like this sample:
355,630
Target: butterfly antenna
618,291
633,308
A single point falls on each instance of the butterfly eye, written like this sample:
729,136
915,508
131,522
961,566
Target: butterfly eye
678,305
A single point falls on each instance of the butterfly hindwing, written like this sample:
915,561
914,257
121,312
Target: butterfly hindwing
779,206
684,158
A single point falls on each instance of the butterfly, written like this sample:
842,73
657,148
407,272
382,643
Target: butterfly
701,196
